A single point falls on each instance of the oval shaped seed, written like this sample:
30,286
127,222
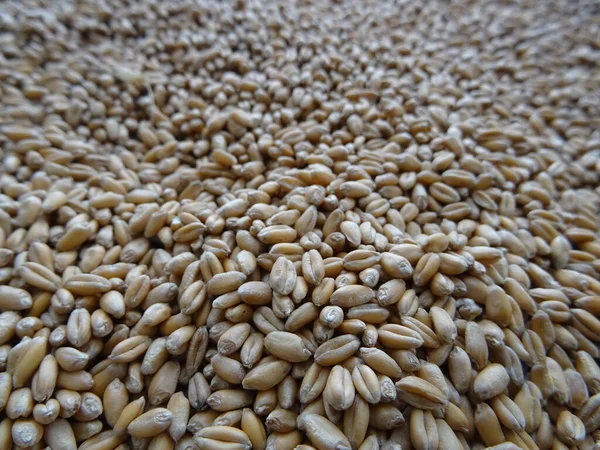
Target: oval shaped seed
44,381
287,346
29,363
313,383
281,421
399,337
229,399
91,407
385,417
19,404
443,325
233,339
130,349
459,367
40,276
229,369
164,383
366,383
358,260
423,430
225,282
491,381
225,437
323,433
352,295
255,293
106,439
301,316
14,299
381,362
313,269
391,292
570,429
46,413
266,375
254,429
252,350
26,432
336,350
396,266
276,234
87,284
420,393
150,423
283,276
59,434
339,390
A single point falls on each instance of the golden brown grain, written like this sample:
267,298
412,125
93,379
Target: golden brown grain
235,224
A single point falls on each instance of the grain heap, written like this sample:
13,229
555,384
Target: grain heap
331,225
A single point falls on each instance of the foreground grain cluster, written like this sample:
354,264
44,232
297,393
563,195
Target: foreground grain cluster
309,225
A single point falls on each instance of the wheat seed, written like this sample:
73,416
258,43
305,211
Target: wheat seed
325,225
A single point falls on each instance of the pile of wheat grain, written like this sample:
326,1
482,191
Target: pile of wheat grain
299,225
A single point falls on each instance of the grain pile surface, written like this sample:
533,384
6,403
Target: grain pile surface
299,225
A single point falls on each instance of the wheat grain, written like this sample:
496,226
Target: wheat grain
307,223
